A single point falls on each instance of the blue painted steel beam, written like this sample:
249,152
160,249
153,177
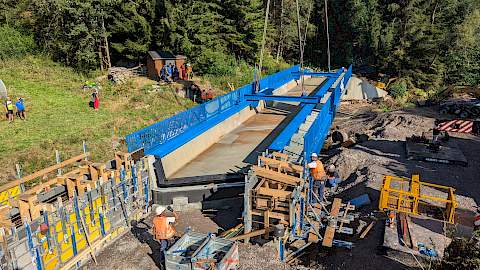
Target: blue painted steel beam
316,74
284,137
304,99
315,137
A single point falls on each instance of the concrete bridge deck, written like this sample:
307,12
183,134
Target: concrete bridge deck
235,151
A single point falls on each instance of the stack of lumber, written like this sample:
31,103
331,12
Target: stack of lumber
121,74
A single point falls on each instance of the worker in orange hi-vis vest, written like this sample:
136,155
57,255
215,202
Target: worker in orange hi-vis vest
317,172
163,229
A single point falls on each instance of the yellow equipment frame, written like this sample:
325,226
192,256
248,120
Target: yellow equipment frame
404,195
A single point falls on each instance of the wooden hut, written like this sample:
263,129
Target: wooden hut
156,60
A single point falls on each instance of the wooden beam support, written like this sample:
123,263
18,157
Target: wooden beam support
43,172
251,234
367,229
330,230
274,192
276,215
276,176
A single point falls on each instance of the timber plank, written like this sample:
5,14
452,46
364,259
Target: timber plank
276,176
337,203
274,192
43,172
328,237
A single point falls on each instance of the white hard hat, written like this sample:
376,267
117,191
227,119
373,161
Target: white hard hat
159,210
331,168
314,155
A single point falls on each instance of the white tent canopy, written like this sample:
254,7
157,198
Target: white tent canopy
3,90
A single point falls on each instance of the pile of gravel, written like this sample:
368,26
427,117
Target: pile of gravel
255,257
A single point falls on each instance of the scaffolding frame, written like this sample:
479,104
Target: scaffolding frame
405,195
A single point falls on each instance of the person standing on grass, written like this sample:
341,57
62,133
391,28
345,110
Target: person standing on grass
9,107
203,96
210,94
189,72
183,72
175,73
170,72
21,109
162,74
95,99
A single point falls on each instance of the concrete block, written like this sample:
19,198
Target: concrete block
298,138
188,207
179,201
311,117
295,149
304,127
296,144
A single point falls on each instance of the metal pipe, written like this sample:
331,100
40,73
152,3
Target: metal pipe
328,35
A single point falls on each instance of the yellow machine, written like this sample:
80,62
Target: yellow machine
405,196
384,81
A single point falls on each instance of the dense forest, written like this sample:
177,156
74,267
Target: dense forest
427,43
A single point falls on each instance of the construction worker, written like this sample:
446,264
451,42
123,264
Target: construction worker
9,107
391,219
332,177
317,172
163,229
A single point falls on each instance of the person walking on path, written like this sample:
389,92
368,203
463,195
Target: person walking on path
95,99
9,108
163,229
21,109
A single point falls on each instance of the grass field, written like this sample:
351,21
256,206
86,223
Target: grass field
59,116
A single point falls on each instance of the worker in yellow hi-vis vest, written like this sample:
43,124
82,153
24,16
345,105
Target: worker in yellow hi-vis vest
9,107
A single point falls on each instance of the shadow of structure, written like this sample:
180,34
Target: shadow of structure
142,232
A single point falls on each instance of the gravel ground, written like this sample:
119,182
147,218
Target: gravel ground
254,256
385,154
